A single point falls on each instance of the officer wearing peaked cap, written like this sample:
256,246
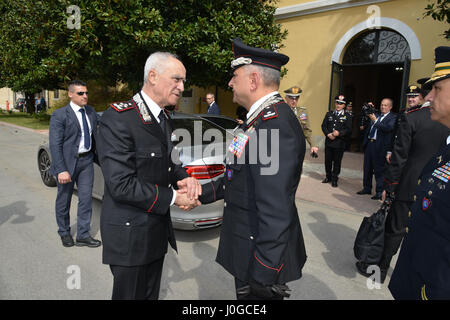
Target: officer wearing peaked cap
414,96
261,242
423,266
292,97
336,126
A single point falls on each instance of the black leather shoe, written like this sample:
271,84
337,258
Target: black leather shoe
89,242
376,197
364,192
67,241
334,184
362,268
326,180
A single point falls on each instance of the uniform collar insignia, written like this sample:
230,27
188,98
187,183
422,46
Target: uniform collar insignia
270,101
143,109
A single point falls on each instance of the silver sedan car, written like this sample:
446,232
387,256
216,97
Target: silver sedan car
200,142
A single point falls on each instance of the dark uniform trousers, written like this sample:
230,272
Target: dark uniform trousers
137,282
261,239
334,149
135,224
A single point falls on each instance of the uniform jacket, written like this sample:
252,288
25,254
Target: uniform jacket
65,137
342,123
423,266
214,109
418,137
135,159
303,118
261,239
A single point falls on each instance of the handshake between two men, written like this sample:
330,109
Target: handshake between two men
189,189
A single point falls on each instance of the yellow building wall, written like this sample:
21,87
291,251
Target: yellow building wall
6,95
313,38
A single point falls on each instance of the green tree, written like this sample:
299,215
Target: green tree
439,10
43,49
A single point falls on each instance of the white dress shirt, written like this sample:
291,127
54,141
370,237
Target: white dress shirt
76,108
156,110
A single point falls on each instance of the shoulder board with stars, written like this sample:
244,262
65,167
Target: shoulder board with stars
269,112
122,106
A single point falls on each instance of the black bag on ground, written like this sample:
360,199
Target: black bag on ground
369,242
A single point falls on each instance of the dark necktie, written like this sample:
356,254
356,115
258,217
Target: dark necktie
162,121
87,136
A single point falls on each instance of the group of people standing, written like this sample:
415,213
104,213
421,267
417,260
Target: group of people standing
261,242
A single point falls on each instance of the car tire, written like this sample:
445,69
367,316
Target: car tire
44,169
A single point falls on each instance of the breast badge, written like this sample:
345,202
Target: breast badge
238,144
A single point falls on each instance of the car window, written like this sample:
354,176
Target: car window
204,132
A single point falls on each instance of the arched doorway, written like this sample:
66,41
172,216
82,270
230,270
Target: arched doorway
375,65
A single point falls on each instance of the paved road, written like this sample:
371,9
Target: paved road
34,264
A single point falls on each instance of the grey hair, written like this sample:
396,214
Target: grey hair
269,76
156,61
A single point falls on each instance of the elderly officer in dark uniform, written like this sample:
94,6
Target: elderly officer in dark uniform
418,137
423,265
134,150
292,97
336,126
261,242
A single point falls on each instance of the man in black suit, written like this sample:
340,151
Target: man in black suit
423,265
72,137
336,126
261,242
213,108
134,150
376,143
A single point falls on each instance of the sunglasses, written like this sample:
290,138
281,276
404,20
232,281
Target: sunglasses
293,98
82,93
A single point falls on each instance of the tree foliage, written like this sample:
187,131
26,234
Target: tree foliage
439,10
39,50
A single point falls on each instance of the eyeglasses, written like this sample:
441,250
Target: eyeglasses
293,98
82,93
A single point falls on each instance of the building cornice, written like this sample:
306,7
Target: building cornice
320,6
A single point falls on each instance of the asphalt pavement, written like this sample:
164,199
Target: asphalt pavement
34,264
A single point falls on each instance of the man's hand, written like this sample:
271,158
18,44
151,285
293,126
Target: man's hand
331,136
388,157
184,203
64,177
191,187
335,133
372,117
314,149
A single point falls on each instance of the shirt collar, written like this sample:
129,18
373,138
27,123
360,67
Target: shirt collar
259,102
154,108
448,140
75,107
